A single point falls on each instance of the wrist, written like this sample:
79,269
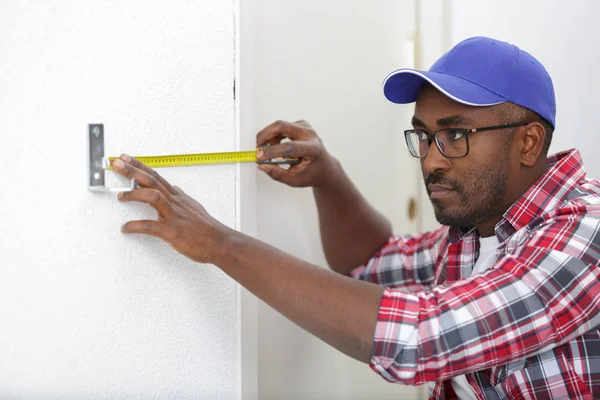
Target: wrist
223,250
331,176
221,247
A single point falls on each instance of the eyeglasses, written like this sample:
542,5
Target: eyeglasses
451,142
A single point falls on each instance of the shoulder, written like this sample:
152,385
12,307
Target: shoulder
572,227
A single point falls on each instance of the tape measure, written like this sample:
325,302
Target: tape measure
179,160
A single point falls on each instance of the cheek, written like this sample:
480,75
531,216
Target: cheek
486,181
473,176
489,153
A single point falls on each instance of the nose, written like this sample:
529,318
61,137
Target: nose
434,161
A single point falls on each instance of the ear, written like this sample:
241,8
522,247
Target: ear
531,139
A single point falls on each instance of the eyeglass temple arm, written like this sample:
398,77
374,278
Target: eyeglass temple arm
490,128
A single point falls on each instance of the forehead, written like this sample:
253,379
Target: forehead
432,105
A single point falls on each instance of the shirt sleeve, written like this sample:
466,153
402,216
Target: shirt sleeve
544,294
406,262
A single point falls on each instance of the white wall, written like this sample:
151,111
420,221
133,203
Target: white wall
325,62
563,35
87,312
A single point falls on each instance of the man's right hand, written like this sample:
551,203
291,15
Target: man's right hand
317,167
351,230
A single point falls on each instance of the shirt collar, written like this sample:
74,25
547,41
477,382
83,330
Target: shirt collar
564,171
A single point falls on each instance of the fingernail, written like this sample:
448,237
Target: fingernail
118,164
263,168
125,157
120,195
260,154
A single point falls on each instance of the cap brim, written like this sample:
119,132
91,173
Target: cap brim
402,86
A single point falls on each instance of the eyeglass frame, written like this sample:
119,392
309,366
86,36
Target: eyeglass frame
466,131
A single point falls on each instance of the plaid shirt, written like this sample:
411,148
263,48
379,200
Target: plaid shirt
528,327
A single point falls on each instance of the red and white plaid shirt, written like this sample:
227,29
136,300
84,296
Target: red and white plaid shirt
528,327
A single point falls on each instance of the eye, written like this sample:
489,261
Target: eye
456,134
422,135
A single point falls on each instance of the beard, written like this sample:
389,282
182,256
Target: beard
480,195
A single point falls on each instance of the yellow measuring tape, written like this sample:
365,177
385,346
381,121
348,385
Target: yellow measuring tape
178,160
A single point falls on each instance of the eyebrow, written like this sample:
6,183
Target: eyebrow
450,121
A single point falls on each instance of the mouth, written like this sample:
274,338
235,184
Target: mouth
439,191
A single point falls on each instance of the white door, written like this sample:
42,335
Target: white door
325,61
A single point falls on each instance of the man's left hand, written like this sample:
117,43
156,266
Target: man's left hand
182,221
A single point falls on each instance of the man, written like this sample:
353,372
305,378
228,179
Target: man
501,302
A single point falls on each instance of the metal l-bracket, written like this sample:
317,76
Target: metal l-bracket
98,163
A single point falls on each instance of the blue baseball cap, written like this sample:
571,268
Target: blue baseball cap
480,71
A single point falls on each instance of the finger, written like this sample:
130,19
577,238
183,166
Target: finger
147,227
138,164
280,128
277,139
303,124
143,178
300,149
153,197
296,169
274,141
279,174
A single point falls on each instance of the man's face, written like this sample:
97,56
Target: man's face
469,190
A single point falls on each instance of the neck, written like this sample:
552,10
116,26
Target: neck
486,228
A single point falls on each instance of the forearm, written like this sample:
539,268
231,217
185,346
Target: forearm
337,309
351,230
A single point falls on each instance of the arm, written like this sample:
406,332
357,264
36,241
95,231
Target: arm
351,230
339,310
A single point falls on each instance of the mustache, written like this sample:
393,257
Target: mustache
441,179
